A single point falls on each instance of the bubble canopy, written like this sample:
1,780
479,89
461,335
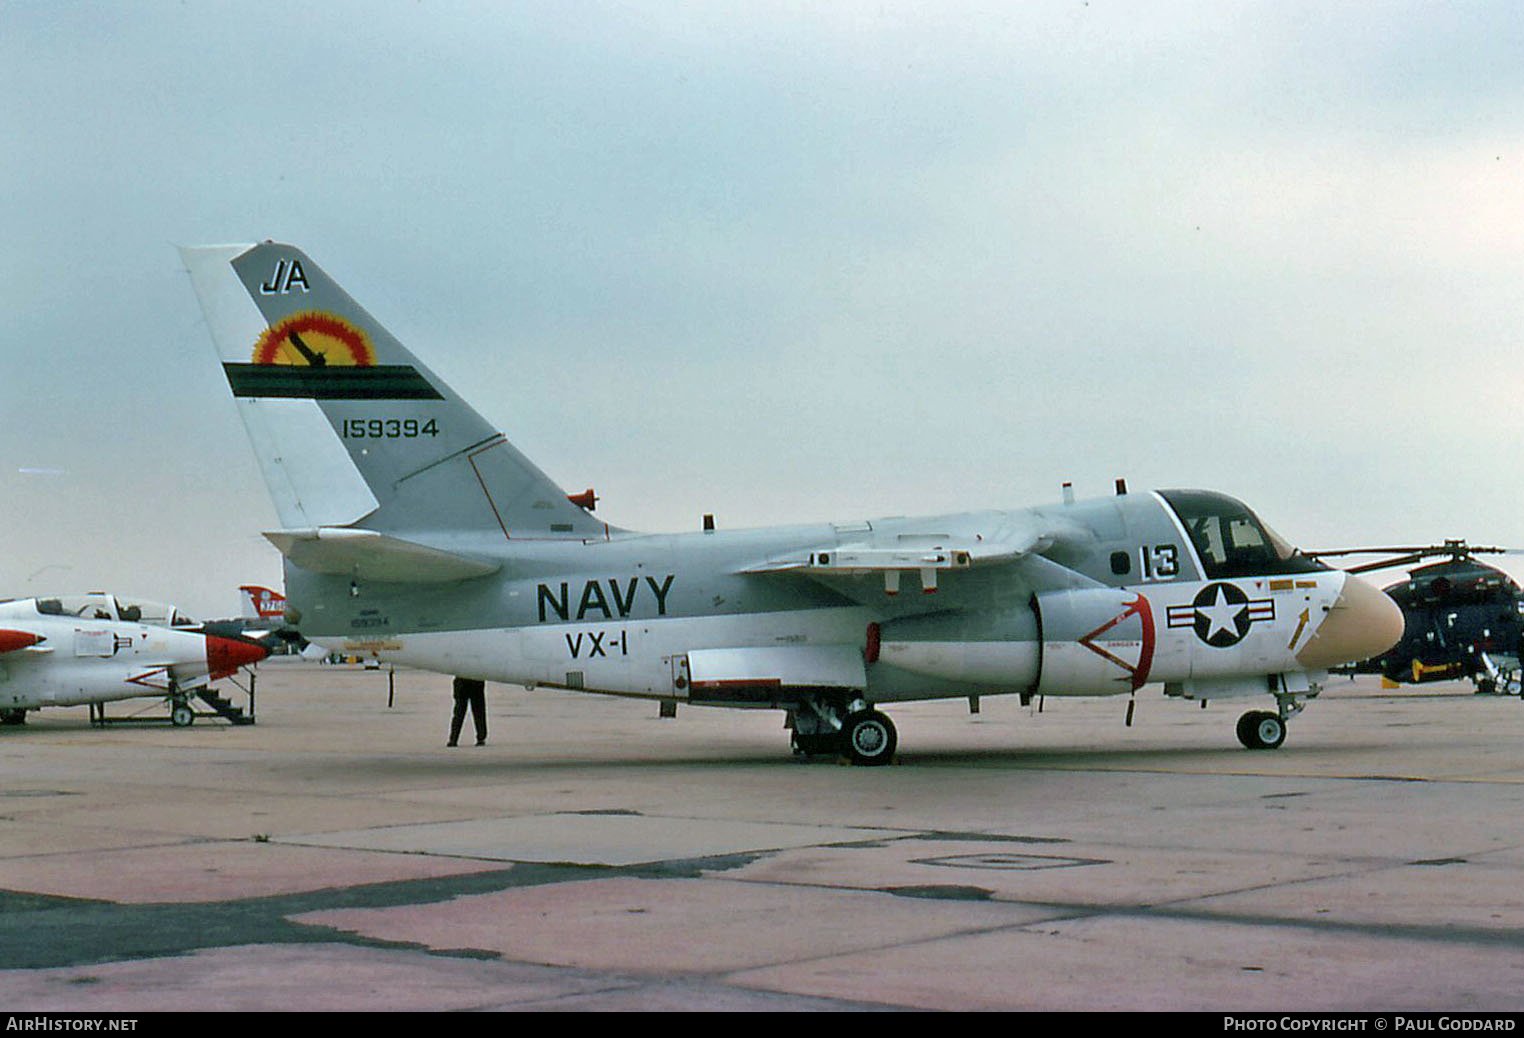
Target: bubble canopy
98,605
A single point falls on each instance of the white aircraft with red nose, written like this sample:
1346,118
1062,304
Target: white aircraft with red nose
93,648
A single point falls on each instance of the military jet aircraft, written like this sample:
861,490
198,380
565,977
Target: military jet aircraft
97,648
261,616
415,531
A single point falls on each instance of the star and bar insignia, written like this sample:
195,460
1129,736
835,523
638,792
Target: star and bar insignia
1222,614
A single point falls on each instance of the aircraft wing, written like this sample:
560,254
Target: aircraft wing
1015,541
366,554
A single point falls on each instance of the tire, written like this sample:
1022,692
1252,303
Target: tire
828,745
869,738
181,715
1259,730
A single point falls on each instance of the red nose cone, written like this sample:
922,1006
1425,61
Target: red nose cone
10,641
225,655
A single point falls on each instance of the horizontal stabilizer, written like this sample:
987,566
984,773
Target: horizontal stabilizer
365,554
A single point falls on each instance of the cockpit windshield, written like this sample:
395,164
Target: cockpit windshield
97,605
1231,540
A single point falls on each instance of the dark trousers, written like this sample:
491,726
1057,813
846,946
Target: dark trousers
469,691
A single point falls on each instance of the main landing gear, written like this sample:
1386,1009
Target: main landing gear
853,730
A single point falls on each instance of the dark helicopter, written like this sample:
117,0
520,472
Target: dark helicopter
1463,618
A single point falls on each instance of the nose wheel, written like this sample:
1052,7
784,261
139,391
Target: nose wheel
180,714
1261,730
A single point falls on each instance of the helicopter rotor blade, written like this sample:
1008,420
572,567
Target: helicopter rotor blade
1405,560
1408,554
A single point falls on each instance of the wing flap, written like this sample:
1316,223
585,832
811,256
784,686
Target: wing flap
748,672
366,554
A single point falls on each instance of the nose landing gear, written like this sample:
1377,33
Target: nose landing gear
1261,730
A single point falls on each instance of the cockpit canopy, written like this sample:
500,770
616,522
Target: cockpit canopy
98,605
1231,540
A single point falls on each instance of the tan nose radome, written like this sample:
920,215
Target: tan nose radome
1363,623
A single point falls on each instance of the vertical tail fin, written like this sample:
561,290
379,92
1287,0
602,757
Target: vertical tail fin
260,603
349,427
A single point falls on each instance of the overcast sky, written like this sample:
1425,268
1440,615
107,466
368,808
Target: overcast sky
779,261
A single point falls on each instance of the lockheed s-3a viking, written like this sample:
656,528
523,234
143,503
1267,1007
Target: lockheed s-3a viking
414,530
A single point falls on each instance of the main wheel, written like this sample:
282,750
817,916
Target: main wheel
825,745
181,715
868,737
1260,730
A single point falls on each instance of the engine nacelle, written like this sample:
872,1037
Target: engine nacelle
1095,641
996,650
1086,642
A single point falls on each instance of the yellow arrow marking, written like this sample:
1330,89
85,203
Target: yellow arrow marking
1301,625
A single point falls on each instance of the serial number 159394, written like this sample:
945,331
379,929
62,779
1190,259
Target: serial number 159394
387,428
